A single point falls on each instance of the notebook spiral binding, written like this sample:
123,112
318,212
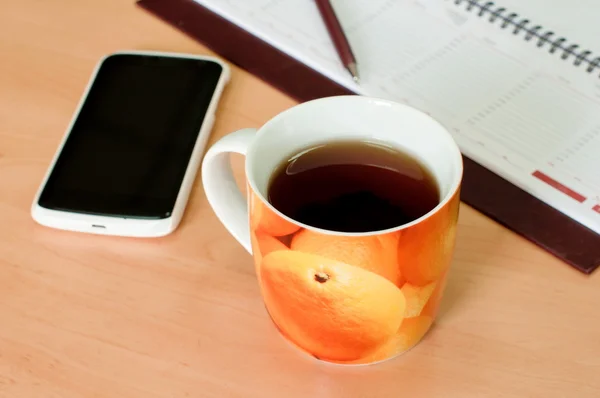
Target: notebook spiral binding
511,20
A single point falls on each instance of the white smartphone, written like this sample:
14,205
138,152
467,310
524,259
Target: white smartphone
129,157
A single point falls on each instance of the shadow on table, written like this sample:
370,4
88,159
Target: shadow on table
480,243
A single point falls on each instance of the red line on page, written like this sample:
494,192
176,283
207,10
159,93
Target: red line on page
564,189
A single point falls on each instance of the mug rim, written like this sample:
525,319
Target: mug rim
455,186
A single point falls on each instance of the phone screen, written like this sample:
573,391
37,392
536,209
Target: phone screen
130,145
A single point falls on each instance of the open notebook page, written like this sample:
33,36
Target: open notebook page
523,113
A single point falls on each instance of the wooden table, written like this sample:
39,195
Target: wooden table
181,316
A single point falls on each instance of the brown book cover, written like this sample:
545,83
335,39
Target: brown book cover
482,189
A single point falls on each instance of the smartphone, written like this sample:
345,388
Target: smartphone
129,157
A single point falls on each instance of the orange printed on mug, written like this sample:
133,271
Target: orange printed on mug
343,295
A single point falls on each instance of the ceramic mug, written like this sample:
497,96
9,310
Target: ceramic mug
350,298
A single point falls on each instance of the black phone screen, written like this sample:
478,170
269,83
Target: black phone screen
129,148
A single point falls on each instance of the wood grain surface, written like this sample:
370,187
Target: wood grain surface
181,316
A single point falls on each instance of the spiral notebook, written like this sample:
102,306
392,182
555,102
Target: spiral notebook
517,83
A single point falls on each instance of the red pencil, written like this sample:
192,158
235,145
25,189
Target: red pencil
338,37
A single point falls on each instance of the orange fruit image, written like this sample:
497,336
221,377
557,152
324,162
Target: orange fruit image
417,297
432,306
268,244
264,219
263,244
373,253
409,334
333,310
425,250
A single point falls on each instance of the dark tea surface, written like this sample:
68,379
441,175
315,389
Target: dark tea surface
353,186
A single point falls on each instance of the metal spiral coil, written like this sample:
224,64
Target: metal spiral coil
544,38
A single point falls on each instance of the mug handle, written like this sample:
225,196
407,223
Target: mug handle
220,187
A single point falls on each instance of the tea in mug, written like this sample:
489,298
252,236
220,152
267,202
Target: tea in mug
353,186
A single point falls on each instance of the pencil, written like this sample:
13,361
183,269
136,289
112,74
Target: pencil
338,37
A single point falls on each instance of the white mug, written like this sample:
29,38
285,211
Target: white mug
374,311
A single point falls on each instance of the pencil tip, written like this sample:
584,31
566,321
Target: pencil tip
354,72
